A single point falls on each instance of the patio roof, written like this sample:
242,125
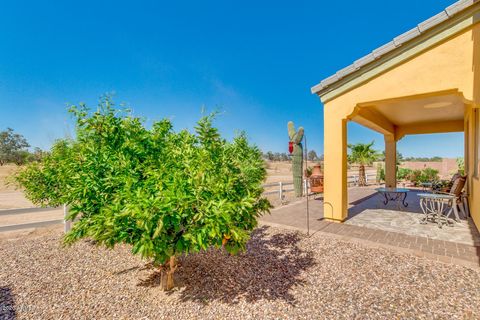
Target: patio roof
359,67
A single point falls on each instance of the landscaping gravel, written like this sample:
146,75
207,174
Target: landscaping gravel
283,275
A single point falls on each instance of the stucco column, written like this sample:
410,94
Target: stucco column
335,167
390,161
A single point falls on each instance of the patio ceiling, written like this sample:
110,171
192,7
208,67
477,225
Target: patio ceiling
442,112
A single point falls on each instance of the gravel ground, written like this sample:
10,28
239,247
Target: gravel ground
283,275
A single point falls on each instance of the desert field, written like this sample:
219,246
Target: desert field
6,171
12,198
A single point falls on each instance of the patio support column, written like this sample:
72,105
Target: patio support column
335,167
390,161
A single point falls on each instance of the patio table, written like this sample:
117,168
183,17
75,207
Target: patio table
436,208
427,186
399,195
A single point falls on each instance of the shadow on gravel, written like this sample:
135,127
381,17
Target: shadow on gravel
268,270
7,305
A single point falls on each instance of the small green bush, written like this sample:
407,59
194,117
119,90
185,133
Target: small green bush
421,176
403,173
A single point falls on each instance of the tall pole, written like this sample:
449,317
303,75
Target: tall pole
306,184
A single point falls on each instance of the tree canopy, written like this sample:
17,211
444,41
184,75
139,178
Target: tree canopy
13,147
165,193
312,156
363,153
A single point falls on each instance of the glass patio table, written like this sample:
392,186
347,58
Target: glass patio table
399,195
436,207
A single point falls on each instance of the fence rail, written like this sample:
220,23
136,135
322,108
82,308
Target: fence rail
351,180
280,191
354,179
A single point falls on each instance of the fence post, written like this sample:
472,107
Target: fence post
280,192
67,223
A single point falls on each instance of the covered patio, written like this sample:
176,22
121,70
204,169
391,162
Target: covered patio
424,81
372,223
367,210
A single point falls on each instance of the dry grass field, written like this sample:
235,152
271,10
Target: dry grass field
6,171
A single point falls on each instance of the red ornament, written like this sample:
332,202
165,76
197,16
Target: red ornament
290,147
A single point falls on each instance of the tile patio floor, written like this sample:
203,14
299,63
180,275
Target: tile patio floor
374,224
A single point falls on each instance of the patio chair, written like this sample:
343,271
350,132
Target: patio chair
444,185
457,191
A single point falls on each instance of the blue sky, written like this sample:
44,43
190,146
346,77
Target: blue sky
254,60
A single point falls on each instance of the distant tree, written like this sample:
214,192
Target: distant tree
270,156
38,154
12,147
312,155
277,156
284,157
423,159
400,158
362,154
21,157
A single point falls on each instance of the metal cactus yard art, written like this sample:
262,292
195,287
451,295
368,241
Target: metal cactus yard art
296,150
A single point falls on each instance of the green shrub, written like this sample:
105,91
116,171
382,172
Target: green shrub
165,193
429,174
425,175
403,173
380,173
461,165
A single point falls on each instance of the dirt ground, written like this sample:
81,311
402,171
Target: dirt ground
6,171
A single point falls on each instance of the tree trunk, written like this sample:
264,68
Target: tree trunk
361,176
166,275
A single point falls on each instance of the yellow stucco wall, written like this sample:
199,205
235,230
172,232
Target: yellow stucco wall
452,65
470,139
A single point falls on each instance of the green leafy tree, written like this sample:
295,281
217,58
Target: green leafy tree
362,154
312,155
461,165
12,147
284,157
165,193
21,157
269,156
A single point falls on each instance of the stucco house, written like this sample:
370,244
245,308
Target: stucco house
426,80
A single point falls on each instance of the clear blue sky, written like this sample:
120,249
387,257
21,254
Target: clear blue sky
254,60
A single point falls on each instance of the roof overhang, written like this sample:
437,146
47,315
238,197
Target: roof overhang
453,20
